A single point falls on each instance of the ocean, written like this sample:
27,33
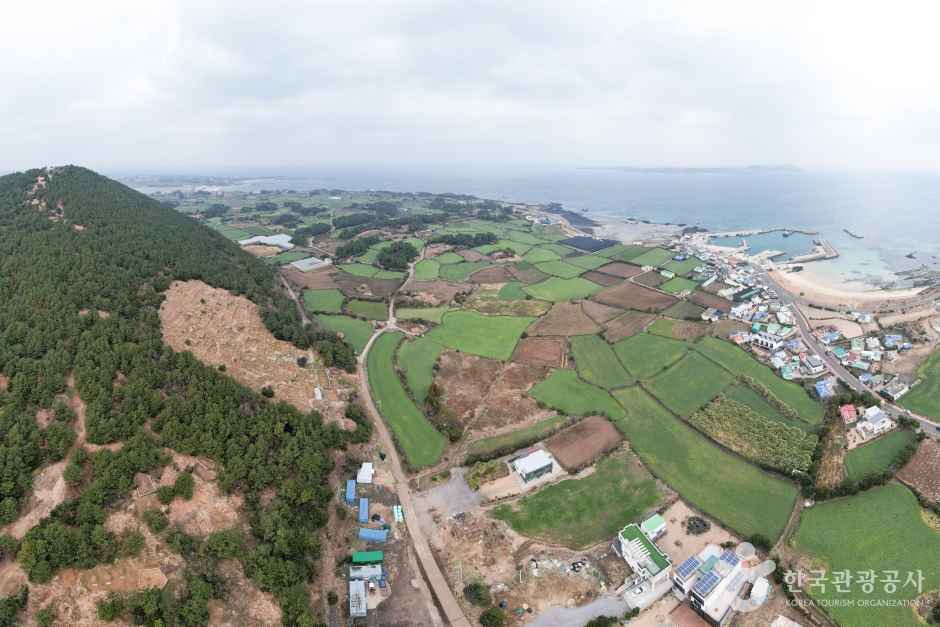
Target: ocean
897,213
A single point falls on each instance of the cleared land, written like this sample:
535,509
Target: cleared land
493,274
323,301
600,313
564,319
839,535
355,331
581,512
435,292
368,309
877,456
631,296
924,398
627,325
597,362
604,280
650,279
735,492
583,442
472,332
527,273
923,471
420,442
558,289
622,270
704,299
689,385
679,329
564,391
517,439
646,355
741,364
416,358
541,351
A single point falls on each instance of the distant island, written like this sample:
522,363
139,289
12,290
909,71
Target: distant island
786,167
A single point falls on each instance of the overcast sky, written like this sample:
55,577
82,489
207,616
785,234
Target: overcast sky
195,86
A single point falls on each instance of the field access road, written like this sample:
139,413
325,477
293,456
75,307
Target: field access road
930,427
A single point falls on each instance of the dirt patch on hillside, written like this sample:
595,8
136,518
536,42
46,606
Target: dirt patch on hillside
600,278
564,319
471,255
627,325
250,607
506,402
435,292
922,473
486,300
717,286
704,299
529,275
685,330
623,270
357,286
49,490
599,313
584,442
260,250
4,383
493,274
316,280
631,296
542,351
220,328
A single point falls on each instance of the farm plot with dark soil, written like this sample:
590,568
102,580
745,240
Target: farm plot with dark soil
630,296
493,274
353,286
704,299
627,325
604,280
527,273
583,443
564,319
541,351
435,292
650,279
923,471
317,280
623,270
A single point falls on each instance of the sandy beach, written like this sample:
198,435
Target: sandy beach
822,290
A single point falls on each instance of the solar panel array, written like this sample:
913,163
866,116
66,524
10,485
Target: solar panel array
706,584
729,558
688,567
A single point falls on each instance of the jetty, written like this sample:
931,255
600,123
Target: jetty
823,250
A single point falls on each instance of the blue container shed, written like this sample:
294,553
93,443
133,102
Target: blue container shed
363,510
351,492
373,535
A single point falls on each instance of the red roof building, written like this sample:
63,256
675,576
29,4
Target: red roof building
849,414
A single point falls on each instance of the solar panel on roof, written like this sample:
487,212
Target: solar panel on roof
729,558
688,567
706,584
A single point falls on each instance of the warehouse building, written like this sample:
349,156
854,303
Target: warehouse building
534,465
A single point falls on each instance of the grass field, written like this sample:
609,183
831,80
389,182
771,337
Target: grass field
458,272
516,439
283,259
540,254
623,252
427,269
564,391
355,331
740,363
416,358
431,314
581,512
373,253
717,482
875,457
472,332
597,362
646,355
878,529
681,268
512,291
684,310
559,249
677,285
652,257
449,258
747,396
561,269
358,269
588,262
504,244
523,237
689,385
556,289
924,398
369,309
421,444
323,301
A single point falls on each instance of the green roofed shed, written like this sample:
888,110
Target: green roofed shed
368,557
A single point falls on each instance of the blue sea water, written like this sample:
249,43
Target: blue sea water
896,212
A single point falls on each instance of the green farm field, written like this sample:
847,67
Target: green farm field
556,289
645,355
283,259
512,291
369,309
487,336
355,331
323,301
448,258
876,457
420,442
416,358
540,254
652,257
588,262
740,363
878,529
427,269
565,391
561,269
431,314
723,485
924,398
677,285
516,439
581,512
689,384
458,272
597,362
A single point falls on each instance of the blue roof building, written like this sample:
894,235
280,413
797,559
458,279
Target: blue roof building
363,510
350,491
373,535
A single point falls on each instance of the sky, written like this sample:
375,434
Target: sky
190,86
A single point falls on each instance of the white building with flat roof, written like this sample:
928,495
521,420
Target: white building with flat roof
534,465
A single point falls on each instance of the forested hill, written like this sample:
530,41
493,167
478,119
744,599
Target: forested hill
73,244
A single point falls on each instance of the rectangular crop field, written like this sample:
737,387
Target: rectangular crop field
512,291
564,391
458,272
597,362
448,258
369,309
286,258
620,269
582,512
587,262
355,331
431,314
540,254
359,269
561,269
722,485
427,269
515,440
652,257
646,355
556,289
420,442
583,442
740,363
323,301
628,295
416,358
684,310
682,268
689,385
487,336
678,285
878,529
623,252
876,457
747,396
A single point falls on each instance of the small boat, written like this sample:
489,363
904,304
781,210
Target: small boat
911,255
787,233
851,234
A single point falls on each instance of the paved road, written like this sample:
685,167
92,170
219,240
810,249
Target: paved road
929,426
